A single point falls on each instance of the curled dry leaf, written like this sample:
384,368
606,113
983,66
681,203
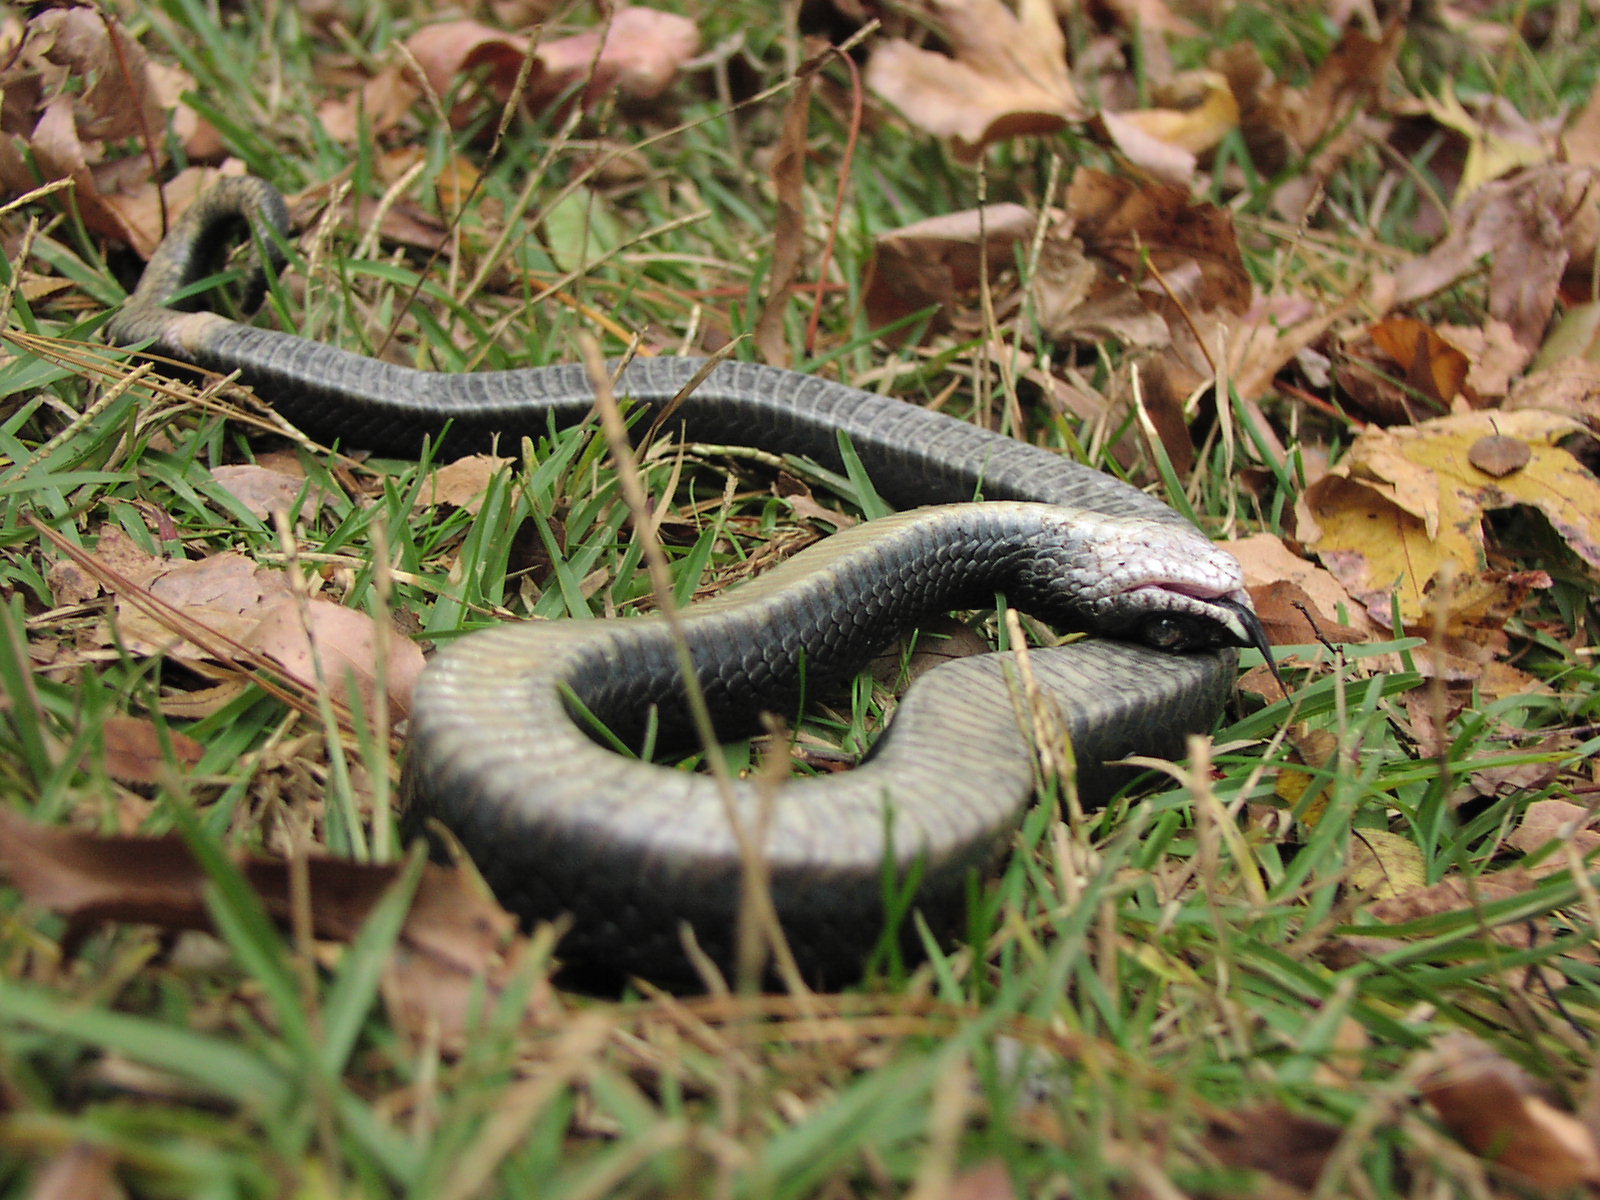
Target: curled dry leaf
1148,228
79,91
1500,1113
1275,574
637,53
1534,228
1005,76
1280,124
453,940
933,263
1402,515
1200,110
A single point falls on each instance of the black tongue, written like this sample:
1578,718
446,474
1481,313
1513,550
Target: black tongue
1257,636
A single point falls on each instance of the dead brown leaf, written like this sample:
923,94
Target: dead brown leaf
933,263
1145,229
1569,385
453,940
1499,1113
262,490
136,752
84,103
1533,228
1005,76
1074,297
1559,821
462,484
319,640
1449,895
637,53
222,593
1278,577
1323,121
1284,1145
1197,110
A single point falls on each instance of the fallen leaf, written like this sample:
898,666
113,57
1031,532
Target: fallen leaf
933,263
1282,1144
462,484
263,491
1310,763
1005,76
1497,1111
1269,566
1401,516
1429,364
455,938
1384,864
1499,139
222,593
1558,821
136,752
1498,456
1570,386
637,53
1532,228
1321,123
1197,110
1144,226
1449,895
319,640
1075,298
1147,152
70,584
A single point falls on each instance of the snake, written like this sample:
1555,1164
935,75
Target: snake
505,753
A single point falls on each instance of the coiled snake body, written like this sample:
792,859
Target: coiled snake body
632,851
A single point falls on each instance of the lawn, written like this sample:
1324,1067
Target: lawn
1322,278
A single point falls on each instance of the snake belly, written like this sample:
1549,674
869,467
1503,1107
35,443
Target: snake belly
634,853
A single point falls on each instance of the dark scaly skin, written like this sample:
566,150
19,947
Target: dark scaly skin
633,851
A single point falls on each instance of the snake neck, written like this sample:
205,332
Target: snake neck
814,622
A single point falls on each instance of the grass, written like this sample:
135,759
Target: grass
1127,981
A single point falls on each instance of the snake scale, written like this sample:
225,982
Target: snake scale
633,851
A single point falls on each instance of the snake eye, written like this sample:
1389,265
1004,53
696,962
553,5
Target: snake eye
1166,633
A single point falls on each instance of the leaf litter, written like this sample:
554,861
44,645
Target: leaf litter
1438,418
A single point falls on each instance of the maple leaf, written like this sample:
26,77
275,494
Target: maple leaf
1006,74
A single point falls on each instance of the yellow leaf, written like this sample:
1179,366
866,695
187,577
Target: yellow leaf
1195,126
1490,155
1384,864
1404,510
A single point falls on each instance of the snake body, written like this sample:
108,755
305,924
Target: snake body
634,852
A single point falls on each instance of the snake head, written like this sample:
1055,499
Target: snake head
1165,585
